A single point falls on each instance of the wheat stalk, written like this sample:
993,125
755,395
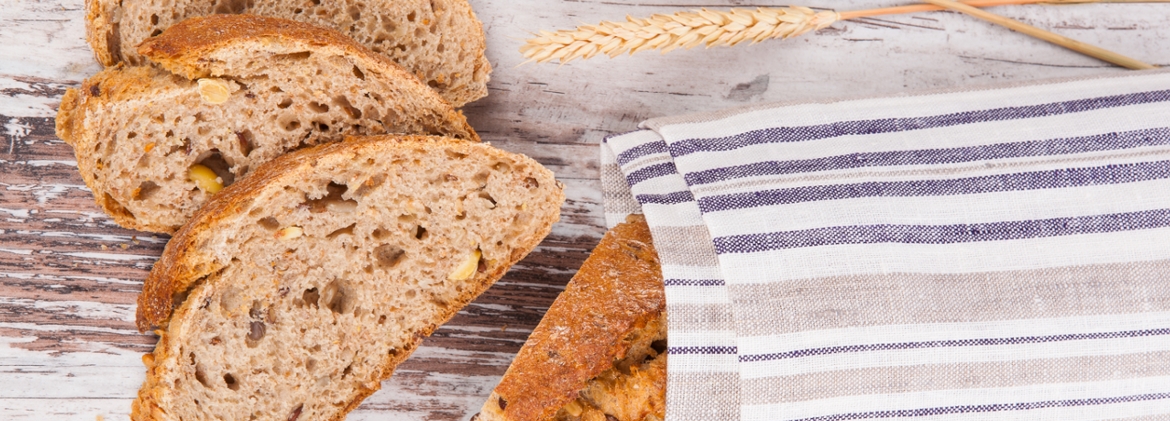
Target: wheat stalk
679,30
713,28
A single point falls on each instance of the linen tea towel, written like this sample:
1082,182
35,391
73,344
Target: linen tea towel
986,254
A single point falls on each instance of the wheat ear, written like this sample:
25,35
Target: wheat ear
715,28
668,32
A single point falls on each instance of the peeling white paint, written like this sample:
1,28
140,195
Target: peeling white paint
17,251
87,309
110,256
19,213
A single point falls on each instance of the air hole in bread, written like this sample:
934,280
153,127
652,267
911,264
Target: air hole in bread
159,118
337,298
231,300
659,346
370,184
245,139
293,56
230,381
296,413
348,370
215,161
318,107
531,183
411,16
291,124
347,230
201,375
311,365
409,294
155,32
332,201
502,167
440,48
269,223
389,255
298,11
310,297
379,234
358,73
116,207
145,190
420,233
322,126
287,102
154,19
354,12
488,197
481,178
350,110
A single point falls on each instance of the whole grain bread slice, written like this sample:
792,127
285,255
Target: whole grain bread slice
599,354
240,90
439,41
301,287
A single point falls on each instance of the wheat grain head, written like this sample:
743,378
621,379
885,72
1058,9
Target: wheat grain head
680,30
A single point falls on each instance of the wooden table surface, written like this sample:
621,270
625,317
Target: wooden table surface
69,276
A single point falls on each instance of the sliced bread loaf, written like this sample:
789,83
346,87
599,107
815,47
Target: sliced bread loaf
599,353
440,41
240,90
301,287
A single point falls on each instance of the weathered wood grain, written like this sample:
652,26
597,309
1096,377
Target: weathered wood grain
69,276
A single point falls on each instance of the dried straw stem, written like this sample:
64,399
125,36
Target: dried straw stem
1061,40
854,14
715,28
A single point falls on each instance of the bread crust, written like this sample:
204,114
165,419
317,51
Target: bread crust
104,36
556,363
181,52
183,264
184,49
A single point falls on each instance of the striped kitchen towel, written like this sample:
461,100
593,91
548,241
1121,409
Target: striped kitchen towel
984,254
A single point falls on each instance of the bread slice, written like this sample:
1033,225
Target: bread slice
599,353
302,286
440,41
240,90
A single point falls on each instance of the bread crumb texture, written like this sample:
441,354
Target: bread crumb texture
299,289
439,41
139,132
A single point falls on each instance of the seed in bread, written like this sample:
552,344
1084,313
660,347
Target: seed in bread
440,41
599,354
233,91
301,287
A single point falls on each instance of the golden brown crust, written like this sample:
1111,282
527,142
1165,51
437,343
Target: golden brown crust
182,48
182,264
556,363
